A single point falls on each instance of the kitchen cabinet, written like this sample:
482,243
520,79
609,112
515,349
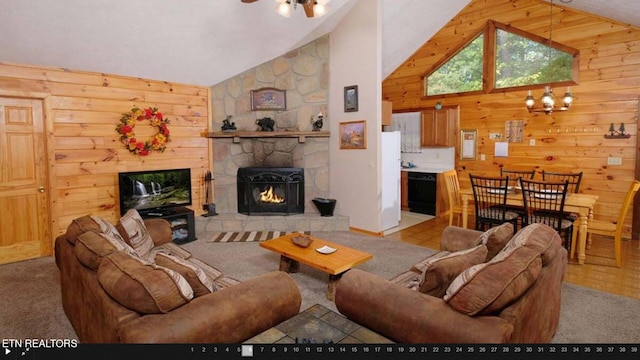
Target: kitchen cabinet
387,109
404,191
440,127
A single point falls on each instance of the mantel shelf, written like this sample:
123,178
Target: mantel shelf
237,135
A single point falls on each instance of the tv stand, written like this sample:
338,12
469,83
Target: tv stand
181,220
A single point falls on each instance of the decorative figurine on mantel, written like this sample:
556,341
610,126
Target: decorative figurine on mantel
317,124
227,125
266,124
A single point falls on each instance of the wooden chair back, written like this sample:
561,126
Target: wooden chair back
453,192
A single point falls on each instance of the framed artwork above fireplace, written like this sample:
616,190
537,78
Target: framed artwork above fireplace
268,99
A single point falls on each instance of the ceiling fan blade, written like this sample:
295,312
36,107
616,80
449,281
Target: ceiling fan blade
248,1
308,8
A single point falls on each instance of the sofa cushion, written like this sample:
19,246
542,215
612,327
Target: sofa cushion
198,279
224,282
409,279
489,287
79,226
142,286
172,249
496,238
135,234
92,246
440,271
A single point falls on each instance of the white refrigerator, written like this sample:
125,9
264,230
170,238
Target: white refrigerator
391,167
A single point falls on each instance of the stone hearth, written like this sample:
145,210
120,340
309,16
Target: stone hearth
240,222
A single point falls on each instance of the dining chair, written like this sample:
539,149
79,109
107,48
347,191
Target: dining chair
613,229
514,181
574,179
490,198
515,175
453,192
544,203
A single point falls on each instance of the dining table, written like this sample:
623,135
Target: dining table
581,204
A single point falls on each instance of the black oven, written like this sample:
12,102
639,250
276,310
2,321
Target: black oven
422,192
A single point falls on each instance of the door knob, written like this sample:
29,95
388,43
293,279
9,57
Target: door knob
41,189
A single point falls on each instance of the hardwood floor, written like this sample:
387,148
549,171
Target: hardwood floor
599,271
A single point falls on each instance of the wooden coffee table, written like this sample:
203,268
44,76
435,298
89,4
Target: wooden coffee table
334,264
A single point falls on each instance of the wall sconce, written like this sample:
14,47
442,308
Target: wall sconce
317,124
617,134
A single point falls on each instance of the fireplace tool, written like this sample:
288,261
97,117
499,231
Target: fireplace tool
209,206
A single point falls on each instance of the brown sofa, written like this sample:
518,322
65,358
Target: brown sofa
481,288
110,297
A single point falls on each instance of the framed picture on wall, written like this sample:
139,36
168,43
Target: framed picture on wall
468,144
268,99
351,98
353,134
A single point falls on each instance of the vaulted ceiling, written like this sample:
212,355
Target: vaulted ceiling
203,42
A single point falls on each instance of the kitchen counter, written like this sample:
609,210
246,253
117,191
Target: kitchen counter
428,169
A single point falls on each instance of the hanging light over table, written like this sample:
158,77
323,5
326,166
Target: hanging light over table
548,99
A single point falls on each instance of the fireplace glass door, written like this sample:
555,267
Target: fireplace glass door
270,191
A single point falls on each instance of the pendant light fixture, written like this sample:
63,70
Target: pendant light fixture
311,7
548,99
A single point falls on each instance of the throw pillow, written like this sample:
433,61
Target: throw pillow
136,234
200,282
91,247
487,288
79,226
440,272
141,286
108,228
538,236
422,265
496,238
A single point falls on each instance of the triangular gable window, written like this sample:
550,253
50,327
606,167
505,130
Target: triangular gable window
521,61
461,73
517,59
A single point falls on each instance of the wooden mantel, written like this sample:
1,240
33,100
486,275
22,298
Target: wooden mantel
237,135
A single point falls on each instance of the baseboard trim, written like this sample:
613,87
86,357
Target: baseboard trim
366,232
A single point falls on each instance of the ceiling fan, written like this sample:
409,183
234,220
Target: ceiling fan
284,7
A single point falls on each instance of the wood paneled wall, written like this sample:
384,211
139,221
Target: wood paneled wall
608,92
83,109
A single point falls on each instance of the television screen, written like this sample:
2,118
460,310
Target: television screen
154,190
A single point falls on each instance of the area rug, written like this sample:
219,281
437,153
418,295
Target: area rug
587,315
247,236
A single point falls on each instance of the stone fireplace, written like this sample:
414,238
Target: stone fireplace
308,154
270,191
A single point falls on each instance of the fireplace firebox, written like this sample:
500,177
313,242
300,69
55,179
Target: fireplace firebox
270,191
